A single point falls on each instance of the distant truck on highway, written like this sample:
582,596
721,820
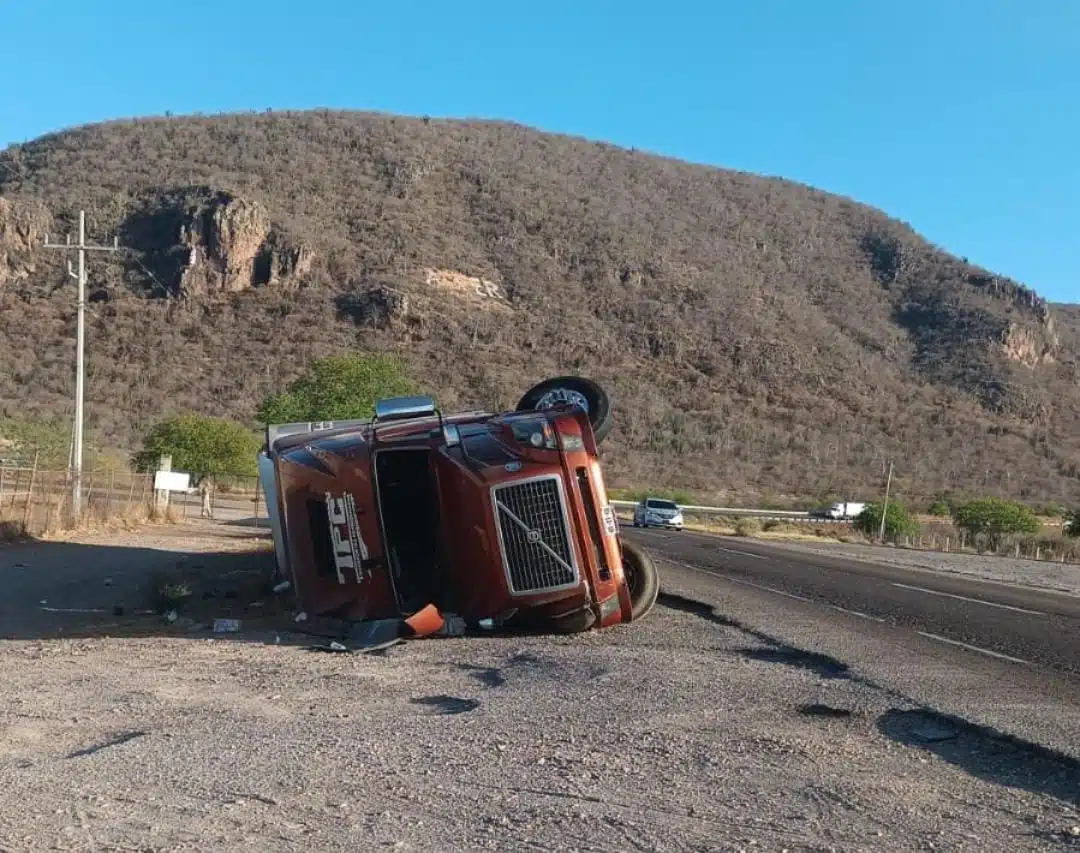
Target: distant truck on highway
841,511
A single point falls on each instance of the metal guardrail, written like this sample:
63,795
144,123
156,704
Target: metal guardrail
764,514
725,510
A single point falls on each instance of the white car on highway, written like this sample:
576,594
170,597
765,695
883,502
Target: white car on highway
658,512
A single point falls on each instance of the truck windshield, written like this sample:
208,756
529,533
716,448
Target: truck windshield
653,503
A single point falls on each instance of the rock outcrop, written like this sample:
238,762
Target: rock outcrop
23,226
197,241
1032,345
231,245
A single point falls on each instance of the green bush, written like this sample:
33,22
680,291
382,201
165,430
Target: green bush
1071,525
898,521
996,518
940,509
201,445
338,388
48,441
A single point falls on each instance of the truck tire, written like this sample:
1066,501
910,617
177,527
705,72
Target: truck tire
642,578
562,389
575,622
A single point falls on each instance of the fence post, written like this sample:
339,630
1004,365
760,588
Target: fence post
108,494
29,494
257,490
51,509
89,494
1017,551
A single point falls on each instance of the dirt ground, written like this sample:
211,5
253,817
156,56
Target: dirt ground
685,732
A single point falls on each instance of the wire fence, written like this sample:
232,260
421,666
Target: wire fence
34,500
1049,545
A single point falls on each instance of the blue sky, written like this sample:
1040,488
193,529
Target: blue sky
961,117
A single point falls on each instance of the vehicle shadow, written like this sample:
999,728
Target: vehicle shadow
257,522
77,590
986,753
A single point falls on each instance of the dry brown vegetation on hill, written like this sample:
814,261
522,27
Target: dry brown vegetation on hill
760,337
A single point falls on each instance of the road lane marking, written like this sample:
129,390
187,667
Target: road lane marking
858,613
743,553
972,648
766,588
926,634
973,600
737,580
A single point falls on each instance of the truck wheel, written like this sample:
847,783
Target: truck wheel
573,623
642,578
572,389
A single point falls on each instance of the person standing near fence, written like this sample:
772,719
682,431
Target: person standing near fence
205,491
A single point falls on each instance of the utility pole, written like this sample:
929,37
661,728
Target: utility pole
82,247
885,506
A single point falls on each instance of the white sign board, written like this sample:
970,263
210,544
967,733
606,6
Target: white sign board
172,481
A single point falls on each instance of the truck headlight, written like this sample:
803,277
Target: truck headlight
537,433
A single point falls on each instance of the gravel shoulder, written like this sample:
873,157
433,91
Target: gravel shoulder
686,732
1057,577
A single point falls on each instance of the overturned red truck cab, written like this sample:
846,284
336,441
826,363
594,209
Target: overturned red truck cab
500,519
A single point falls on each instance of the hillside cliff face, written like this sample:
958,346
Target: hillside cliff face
760,337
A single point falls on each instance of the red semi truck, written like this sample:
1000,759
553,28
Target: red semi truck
501,519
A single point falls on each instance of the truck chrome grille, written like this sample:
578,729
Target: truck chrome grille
533,535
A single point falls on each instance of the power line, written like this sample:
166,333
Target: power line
82,247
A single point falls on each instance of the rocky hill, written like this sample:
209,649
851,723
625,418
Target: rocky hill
760,337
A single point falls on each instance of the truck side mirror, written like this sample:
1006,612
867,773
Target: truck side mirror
451,435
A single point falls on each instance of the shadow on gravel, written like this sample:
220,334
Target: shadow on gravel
775,651
985,753
816,709
489,676
445,705
260,523
821,665
56,590
697,608
980,751
116,741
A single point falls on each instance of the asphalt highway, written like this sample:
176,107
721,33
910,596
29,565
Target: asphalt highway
1032,627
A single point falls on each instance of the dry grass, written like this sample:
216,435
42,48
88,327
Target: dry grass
131,520
755,528
48,521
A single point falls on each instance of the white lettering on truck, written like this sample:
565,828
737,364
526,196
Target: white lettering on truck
349,547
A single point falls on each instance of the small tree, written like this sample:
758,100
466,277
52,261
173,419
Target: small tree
996,518
203,445
1071,525
898,521
49,441
338,388
940,509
